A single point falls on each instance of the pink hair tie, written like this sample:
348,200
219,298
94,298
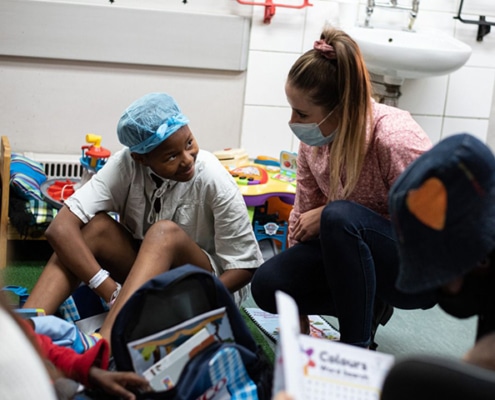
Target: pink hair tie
325,49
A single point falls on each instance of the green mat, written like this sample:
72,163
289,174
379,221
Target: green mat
22,274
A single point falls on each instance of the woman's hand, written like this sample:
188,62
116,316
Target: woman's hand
116,383
307,227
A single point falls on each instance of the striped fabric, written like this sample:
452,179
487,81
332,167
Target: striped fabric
26,177
84,341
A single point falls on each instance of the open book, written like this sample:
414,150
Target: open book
269,324
165,373
309,368
150,350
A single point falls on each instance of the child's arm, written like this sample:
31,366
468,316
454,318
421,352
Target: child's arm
74,366
90,367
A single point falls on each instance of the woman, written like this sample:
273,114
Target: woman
342,256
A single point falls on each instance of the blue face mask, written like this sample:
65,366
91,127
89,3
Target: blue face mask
311,133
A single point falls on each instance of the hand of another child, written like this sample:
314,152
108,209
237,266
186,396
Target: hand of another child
282,396
117,383
483,352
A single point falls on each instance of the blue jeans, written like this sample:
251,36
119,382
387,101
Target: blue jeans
340,273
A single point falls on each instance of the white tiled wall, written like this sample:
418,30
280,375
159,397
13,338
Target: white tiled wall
443,105
470,92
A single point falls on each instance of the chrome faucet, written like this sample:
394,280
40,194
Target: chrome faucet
369,11
413,9
414,14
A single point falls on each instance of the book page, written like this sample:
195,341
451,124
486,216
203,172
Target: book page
147,351
289,360
165,374
334,370
269,324
325,369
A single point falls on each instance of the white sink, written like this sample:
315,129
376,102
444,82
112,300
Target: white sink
397,55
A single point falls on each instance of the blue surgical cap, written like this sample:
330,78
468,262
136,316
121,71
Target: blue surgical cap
150,120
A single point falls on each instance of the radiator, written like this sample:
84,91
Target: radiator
58,165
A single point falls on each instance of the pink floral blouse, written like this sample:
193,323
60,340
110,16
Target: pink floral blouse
395,140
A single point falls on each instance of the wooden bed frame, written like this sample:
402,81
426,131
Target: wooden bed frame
7,231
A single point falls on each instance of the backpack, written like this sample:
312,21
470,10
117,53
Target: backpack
172,298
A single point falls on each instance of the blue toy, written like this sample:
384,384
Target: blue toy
272,230
94,157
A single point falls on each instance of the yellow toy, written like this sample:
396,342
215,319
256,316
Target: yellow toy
267,178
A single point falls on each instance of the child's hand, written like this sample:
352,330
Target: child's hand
116,383
483,353
282,396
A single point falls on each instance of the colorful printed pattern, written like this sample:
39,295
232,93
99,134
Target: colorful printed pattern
227,363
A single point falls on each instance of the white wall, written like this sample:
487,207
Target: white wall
49,105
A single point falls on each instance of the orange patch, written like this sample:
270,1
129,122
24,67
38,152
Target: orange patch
429,203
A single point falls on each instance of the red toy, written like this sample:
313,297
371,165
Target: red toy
93,158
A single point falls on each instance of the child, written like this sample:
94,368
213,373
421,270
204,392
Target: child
20,363
176,204
52,371
443,213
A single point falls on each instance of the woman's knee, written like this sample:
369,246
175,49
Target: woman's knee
335,217
258,282
338,212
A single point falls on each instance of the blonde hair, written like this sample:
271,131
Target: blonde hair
339,81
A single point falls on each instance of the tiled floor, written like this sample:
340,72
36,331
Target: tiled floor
432,332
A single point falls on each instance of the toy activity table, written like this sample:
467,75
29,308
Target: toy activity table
263,180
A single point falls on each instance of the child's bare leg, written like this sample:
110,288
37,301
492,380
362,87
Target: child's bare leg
165,246
53,286
112,246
